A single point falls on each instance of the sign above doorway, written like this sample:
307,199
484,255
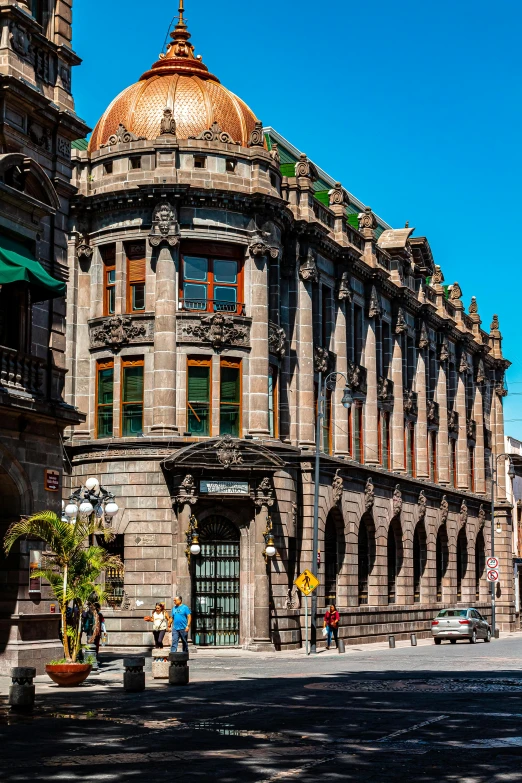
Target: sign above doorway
220,487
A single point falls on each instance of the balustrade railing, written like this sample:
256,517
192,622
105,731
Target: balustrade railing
211,306
21,371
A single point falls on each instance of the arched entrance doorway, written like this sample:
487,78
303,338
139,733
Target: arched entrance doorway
216,584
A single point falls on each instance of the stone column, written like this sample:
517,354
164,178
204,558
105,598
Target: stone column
288,378
422,418
305,356
371,443
258,362
340,413
120,305
478,415
443,434
181,572
462,441
164,418
398,407
262,632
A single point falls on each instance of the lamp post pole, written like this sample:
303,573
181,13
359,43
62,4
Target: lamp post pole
330,382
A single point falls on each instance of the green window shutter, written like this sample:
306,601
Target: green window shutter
132,384
105,386
229,384
353,220
287,169
199,384
323,197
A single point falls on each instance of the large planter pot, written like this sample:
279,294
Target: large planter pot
68,674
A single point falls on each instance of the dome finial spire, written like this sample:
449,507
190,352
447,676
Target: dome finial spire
180,47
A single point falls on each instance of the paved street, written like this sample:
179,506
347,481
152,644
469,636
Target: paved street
448,713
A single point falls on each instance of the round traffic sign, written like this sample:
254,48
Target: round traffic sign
492,575
492,562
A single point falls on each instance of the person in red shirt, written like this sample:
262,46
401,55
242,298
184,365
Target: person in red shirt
331,623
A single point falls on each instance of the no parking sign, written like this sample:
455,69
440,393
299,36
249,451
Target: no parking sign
492,575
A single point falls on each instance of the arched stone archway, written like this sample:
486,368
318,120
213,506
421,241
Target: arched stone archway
334,548
462,561
395,558
441,562
420,555
366,549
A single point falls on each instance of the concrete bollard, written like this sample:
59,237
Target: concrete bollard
413,639
134,677
340,647
22,691
160,664
391,642
178,671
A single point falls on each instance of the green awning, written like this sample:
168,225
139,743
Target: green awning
17,264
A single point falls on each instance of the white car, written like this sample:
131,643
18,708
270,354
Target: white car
455,624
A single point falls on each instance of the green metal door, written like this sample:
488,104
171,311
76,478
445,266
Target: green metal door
216,584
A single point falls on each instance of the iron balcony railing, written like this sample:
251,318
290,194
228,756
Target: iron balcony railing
211,306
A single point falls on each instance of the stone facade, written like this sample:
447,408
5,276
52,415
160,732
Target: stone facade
38,124
322,286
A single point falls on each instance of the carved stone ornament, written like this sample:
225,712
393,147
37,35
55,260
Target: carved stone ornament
500,389
422,505
187,491
473,308
305,168
338,195
463,516
444,351
20,40
337,486
274,153
369,495
40,135
437,278
117,331
374,309
344,288
495,326
424,339
410,402
481,515
83,248
464,364
264,495
444,510
228,452
384,389
356,377
214,133
400,325
308,267
165,226
122,136
259,247
471,429
168,123
321,359
481,372
453,421
432,412
397,501
276,340
455,293
257,138
367,219
218,330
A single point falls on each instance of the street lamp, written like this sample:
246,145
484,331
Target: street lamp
270,549
91,498
330,383
193,545
496,528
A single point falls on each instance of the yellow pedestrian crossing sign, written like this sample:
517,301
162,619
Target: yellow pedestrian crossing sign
307,582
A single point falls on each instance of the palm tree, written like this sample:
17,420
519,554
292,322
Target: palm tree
72,565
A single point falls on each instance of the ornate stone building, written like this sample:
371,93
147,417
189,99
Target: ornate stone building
37,126
214,272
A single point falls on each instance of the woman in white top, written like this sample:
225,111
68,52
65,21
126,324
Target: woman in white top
160,624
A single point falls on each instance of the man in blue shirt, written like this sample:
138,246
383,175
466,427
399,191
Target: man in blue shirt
181,619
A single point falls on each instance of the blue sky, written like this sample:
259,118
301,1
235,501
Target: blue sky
414,105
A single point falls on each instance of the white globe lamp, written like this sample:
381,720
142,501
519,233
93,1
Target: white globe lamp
71,510
92,484
111,508
86,507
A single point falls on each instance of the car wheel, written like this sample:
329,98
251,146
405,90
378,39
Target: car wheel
453,641
437,641
488,636
473,637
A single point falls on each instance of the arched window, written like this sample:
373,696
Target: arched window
366,556
331,561
480,562
419,559
395,557
462,560
442,556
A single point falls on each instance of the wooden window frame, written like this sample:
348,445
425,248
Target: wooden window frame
234,364
273,370
193,361
213,253
383,444
409,449
108,287
471,469
453,462
432,456
103,364
127,362
358,406
133,256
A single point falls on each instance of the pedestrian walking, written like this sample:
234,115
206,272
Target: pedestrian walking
160,624
98,627
181,619
331,623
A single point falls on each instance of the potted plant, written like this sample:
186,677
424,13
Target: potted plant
72,566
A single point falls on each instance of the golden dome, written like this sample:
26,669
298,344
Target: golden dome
182,83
